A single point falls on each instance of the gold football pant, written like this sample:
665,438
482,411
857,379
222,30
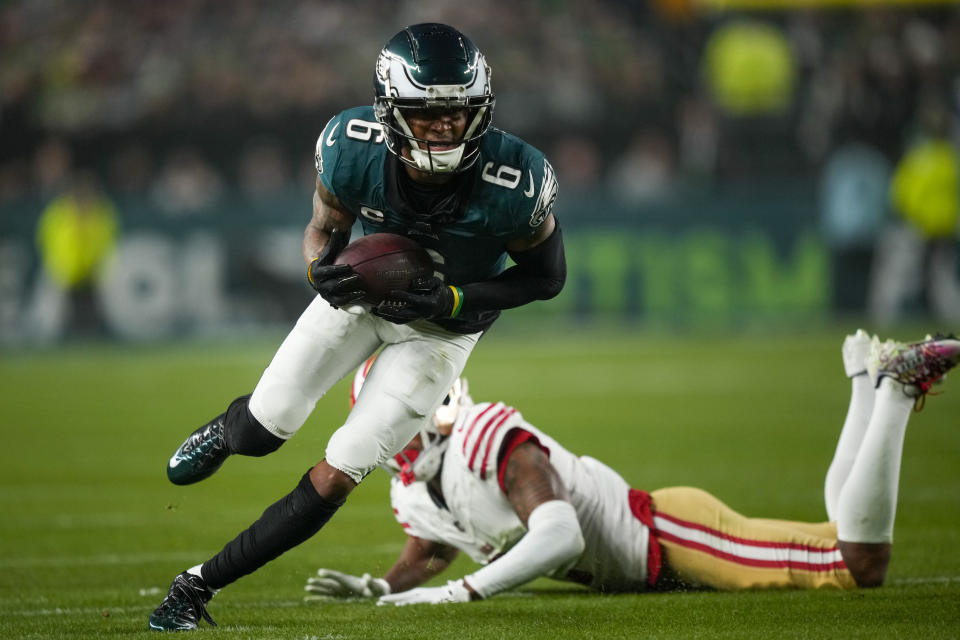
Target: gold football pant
706,543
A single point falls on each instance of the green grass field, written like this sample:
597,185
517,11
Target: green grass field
92,533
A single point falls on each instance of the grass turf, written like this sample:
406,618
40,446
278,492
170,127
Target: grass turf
92,532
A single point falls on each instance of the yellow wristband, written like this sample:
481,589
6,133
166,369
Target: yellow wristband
309,268
457,300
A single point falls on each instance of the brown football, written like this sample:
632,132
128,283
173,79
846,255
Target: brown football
386,261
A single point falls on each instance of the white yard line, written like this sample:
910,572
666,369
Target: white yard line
929,580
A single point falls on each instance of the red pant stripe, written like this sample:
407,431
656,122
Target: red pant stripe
754,543
750,562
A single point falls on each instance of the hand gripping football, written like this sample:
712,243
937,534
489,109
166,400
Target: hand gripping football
386,261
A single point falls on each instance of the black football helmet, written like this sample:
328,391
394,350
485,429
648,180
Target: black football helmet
432,65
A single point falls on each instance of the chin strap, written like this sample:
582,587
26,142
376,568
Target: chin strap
439,161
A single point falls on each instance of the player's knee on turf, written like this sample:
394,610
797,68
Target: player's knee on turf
866,561
244,434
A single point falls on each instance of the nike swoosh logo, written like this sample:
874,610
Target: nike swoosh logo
529,192
330,140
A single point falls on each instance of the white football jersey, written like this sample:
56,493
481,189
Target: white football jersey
479,520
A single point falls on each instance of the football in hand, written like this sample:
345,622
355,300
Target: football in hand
386,261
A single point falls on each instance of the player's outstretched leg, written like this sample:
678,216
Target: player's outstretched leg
283,525
185,604
855,351
867,503
207,448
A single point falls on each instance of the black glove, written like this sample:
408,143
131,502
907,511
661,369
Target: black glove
338,284
428,298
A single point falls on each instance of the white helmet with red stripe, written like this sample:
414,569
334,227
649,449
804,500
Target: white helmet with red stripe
421,458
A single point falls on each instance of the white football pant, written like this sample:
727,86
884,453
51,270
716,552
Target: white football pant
407,382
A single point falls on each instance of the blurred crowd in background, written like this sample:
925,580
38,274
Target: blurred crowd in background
628,93
187,104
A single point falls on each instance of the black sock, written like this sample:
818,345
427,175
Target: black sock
285,524
244,433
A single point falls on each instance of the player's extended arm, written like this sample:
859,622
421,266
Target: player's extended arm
553,537
327,233
419,561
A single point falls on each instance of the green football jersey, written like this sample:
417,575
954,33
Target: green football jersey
509,192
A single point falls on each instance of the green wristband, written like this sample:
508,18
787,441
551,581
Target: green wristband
457,300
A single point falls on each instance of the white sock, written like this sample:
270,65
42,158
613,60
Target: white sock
195,571
862,397
868,501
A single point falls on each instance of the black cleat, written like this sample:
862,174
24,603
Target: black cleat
200,455
185,604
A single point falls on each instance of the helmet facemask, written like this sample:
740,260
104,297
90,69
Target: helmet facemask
432,66
413,464
426,158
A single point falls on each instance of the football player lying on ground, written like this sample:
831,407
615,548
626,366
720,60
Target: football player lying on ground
482,480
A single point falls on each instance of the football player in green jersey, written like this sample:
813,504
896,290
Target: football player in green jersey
425,162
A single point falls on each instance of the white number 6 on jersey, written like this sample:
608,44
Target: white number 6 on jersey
505,176
364,130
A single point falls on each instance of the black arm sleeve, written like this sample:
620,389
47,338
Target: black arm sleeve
539,274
